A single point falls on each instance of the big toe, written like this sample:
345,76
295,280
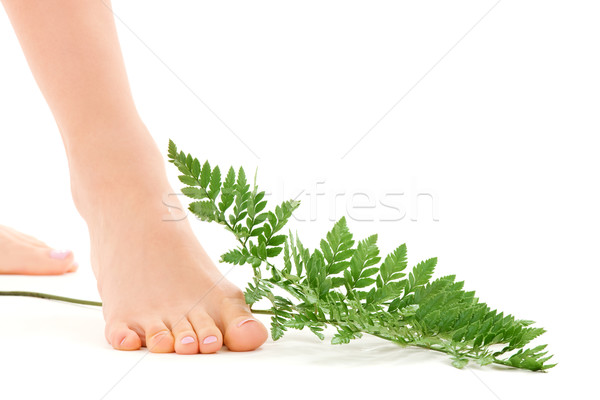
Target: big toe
242,331
46,261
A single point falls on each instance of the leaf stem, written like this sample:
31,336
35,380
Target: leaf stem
51,297
48,296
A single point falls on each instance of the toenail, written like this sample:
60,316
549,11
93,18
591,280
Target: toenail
59,254
244,321
123,341
187,340
209,340
159,335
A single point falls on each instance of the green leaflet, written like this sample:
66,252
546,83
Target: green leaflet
346,285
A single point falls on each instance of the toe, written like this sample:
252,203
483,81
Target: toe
209,336
46,261
159,338
242,331
60,259
186,341
123,338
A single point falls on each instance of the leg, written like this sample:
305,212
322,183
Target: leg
158,286
25,255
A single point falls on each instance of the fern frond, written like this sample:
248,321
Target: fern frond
343,284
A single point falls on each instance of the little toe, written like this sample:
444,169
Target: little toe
159,338
209,336
186,341
123,338
242,331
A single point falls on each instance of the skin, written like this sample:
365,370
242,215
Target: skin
158,286
25,255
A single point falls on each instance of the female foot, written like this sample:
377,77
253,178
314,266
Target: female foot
158,286
25,255
161,290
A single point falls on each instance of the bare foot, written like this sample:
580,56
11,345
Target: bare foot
25,255
161,290
158,286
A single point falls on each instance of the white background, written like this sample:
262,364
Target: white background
502,133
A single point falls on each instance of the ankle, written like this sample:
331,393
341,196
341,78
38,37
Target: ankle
118,169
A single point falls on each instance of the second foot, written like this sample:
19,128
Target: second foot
25,255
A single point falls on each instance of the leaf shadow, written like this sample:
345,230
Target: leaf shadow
301,347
